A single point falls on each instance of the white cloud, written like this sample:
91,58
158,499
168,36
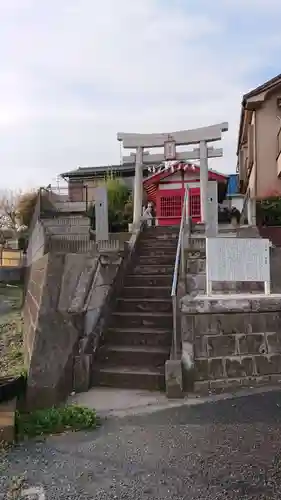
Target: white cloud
74,73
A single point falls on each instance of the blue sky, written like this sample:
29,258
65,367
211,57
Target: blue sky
75,72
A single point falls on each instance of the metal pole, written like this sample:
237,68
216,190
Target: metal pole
174,327
182,256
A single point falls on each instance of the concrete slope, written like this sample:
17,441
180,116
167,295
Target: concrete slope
79,270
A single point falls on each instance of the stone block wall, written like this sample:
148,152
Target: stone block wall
236,341
50,337
36,281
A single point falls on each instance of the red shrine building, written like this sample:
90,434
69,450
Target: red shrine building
166,188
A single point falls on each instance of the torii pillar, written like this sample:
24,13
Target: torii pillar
169,141
138,183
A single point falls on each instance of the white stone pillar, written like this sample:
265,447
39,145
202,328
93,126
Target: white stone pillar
251,212
203,180
138,187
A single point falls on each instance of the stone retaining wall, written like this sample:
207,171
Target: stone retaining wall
34,289
50,336
236,339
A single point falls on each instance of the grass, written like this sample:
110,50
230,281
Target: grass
11,331
54,420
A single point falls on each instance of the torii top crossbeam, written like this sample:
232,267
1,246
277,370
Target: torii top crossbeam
181,137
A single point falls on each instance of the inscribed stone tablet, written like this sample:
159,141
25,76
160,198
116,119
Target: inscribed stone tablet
237,259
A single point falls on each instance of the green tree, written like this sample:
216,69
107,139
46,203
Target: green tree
120,206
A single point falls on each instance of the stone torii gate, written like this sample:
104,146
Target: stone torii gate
169,141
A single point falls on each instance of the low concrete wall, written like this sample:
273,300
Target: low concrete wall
12,274
97,311
36,245
77,279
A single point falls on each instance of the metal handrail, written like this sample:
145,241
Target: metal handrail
179,265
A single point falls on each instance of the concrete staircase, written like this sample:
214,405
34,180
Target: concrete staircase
134,348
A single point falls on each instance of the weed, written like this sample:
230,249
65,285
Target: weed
54,420
11,328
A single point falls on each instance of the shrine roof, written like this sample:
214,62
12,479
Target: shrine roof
185,167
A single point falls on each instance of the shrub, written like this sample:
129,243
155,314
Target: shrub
269,211
120,206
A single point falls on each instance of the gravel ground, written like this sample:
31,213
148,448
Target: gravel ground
229,449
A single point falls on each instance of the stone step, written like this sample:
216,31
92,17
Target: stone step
144,305
147,320
146,292
153,269
162,229
157,252
157,260
172,238
139,336
169,244
129,377
151,281
131,355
